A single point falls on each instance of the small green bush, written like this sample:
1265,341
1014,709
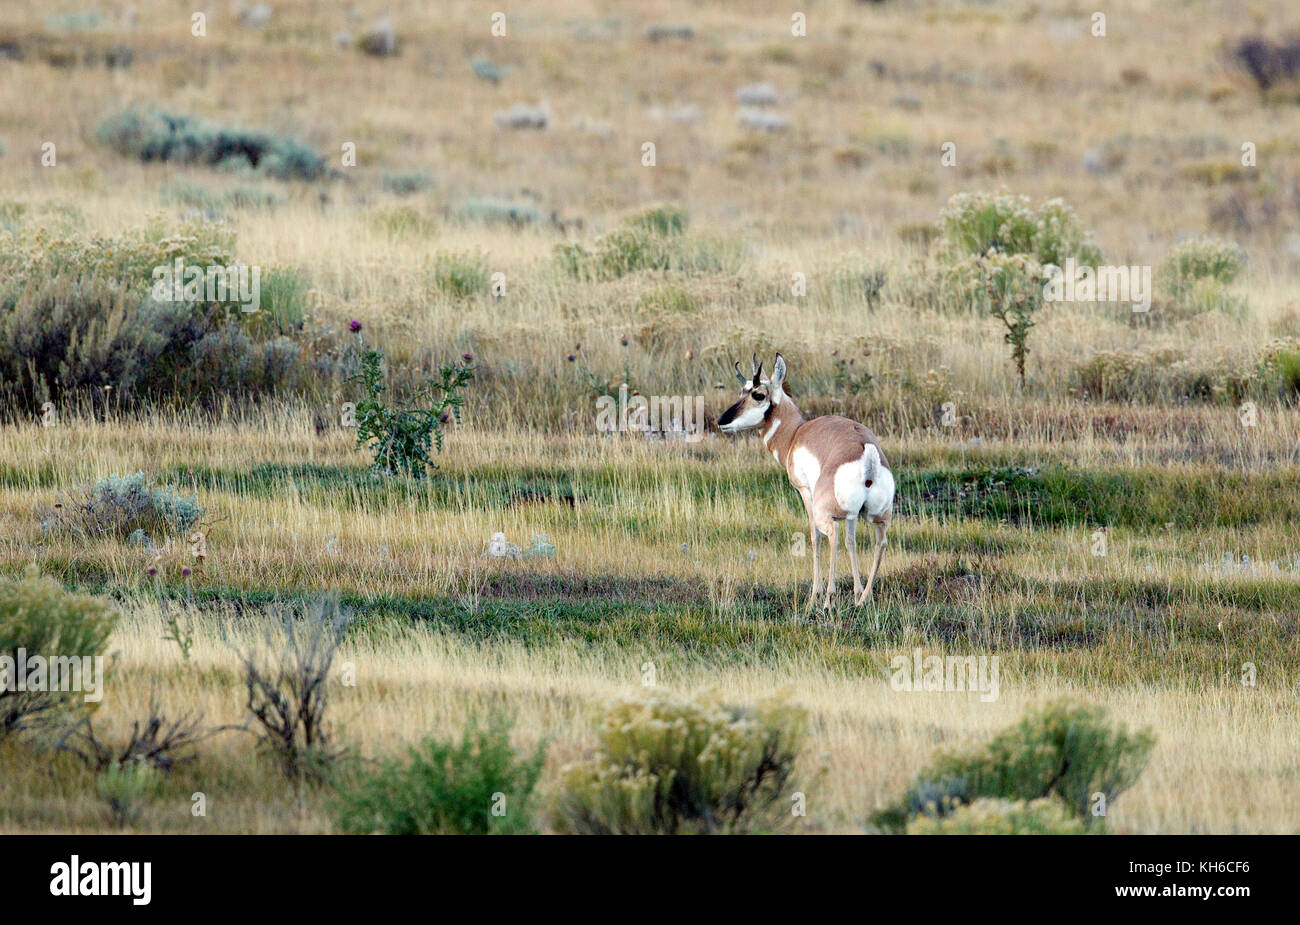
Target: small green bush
975,224
478,786
633,249
126,789
630,250
119,505
461,275
667,765
40,618
669,300
1196,275
1001,817
1063,751
1204,258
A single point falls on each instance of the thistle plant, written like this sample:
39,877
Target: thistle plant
401,437
1014,288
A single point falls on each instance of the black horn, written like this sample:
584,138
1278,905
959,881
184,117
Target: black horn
758,370
739,374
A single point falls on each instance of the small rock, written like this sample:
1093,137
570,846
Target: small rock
763,94
484,69
762,121
256,16
522,116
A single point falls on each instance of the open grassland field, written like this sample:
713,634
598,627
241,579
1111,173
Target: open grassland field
1117,522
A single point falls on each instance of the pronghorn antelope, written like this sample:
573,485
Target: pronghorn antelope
836,465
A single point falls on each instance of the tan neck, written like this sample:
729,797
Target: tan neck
786,417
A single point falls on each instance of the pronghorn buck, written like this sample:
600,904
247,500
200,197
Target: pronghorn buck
835,463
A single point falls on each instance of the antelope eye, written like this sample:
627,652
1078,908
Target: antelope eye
758,396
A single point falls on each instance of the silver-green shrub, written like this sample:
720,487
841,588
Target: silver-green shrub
670,765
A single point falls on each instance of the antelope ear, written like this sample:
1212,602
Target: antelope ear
778,372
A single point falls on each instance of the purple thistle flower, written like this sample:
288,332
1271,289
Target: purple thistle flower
185,573
152,571
355,326
467,357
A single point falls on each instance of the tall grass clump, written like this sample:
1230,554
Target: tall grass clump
1069,753
667,765
283,302
477,786
662,220
460,275
39,618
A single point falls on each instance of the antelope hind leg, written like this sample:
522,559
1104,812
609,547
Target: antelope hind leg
881,542
830,570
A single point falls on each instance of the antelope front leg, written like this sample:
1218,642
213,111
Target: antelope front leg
881,530
851,543
830,571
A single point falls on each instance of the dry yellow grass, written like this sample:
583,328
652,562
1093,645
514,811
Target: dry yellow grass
1223,763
